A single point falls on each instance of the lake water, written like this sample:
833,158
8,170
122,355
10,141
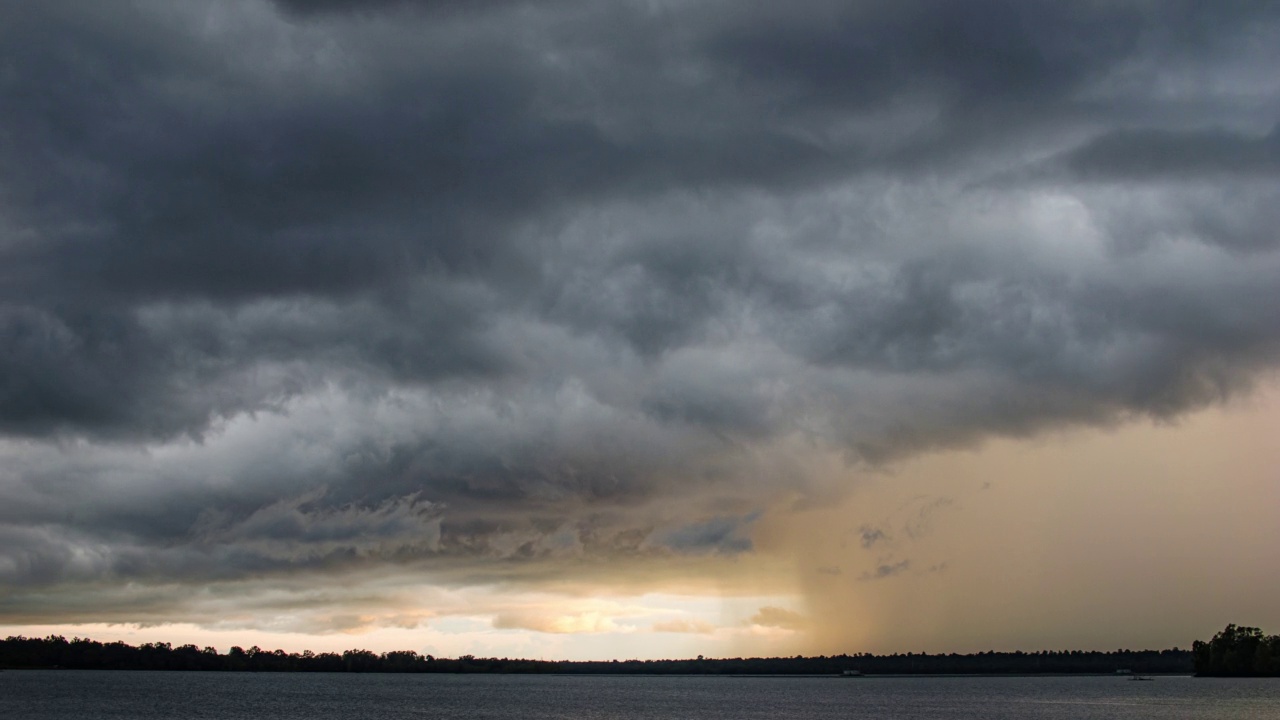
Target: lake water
84,695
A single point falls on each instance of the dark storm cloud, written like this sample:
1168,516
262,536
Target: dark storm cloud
184,175
372,7
1142,154
728,535
307,287
864,54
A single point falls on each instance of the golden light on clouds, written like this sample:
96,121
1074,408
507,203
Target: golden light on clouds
1142,535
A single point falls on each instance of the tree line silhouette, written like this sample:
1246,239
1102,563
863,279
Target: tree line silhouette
1238,652
56,651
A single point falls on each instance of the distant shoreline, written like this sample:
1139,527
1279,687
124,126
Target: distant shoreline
909,676
56,652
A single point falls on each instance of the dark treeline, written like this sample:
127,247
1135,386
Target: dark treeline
58,652
1238,652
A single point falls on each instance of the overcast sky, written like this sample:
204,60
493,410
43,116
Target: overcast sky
579,328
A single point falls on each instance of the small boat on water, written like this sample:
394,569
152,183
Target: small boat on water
851,673
1141,677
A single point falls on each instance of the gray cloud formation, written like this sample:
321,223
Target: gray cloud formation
886,570
318,285
868,536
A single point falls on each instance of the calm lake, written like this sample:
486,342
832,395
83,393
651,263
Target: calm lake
83,695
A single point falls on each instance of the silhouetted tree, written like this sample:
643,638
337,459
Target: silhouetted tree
1238,651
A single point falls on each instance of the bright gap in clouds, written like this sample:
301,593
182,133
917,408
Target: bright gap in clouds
506,624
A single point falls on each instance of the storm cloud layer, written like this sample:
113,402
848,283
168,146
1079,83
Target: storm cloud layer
507,288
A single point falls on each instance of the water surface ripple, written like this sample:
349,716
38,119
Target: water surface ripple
85,695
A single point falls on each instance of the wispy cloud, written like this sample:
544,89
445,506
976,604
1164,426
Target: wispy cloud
776,617
691,627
